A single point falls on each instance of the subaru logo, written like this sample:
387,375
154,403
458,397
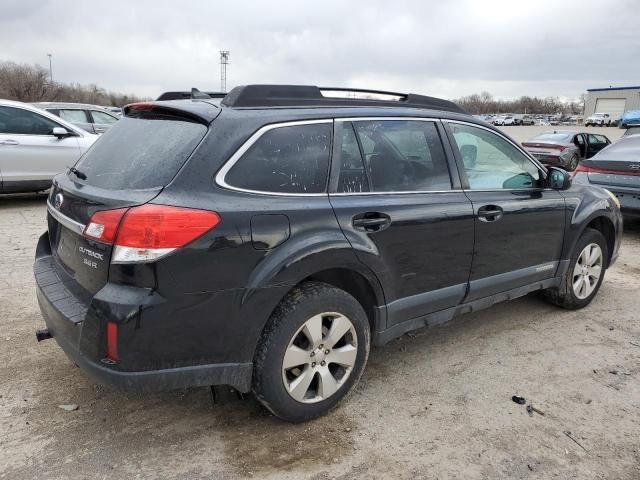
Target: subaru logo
57,201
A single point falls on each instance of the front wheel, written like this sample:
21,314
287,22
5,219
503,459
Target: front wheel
312,352
585,273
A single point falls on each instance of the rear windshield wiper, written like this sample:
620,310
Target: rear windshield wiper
77,173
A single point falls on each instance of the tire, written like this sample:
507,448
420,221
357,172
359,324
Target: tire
573,163
310,310
566,295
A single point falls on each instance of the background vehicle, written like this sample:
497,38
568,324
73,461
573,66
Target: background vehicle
526,120
598,120
565,148
616,168
509,120
631,117
34,146
499,120
90,118
329,218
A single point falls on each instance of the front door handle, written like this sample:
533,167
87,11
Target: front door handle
9,142
490,213
371,221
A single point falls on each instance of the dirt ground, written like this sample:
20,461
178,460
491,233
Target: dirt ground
432,404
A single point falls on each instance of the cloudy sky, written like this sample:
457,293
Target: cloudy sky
442,48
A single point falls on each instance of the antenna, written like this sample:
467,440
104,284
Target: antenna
224,61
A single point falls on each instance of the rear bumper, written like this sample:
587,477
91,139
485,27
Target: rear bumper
65,316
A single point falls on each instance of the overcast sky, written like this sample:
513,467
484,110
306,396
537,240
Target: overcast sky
442,48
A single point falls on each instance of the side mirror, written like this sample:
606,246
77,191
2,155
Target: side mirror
60,132
558,179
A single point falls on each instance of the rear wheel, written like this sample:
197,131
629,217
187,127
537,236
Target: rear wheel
585,273
573,163
312,352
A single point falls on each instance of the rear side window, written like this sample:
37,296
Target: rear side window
139,153
292,159
403,155
73,116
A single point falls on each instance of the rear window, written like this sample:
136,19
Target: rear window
293,159
140,153
553,137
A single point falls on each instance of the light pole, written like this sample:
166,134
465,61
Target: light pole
50,69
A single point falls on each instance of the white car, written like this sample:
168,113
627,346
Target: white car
598,120
36,145
509,120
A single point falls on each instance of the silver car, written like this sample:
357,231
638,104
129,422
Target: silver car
36,145
90,118
565,149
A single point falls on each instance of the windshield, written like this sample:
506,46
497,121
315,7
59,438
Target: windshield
139,153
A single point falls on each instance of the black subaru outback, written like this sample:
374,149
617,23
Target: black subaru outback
266,242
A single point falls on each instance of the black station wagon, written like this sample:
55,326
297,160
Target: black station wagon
268,241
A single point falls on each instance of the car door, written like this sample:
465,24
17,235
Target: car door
595,143
519,224
29,152
101,121
580,141
403,212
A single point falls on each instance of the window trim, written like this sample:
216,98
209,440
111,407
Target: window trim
228,165
542,169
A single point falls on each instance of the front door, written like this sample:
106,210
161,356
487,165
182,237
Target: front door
29,152
395,201
519,225
595,143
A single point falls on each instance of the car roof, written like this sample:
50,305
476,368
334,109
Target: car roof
70,105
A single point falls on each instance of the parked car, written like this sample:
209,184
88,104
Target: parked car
266,243
90,118
526,120
630,117
509,120
632,130
616,168
499,120
565,148
34,146
598,120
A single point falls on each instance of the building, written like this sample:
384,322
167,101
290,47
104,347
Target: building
614,101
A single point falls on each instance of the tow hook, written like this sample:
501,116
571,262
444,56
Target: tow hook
43,334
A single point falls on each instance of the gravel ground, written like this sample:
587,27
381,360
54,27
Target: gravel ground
432,404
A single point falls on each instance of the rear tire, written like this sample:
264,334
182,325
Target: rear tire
585,274
573,163
312,352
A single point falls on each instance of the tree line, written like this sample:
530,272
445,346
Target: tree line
484,102
30,83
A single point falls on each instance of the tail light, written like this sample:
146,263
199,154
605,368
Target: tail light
558,147
588,169
148,232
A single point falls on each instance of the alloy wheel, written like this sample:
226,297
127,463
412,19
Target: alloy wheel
587,271
320,357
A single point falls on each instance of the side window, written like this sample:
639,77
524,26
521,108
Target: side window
352,177
293,159
403,155
17,121
73,116
104,118
579,140
491,162
596,139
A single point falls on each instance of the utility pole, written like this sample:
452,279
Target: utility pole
224,61
50,69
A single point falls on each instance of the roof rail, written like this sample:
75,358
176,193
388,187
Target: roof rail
263,96
188,95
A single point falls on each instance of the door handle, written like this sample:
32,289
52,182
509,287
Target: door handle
490,213
371,222
9,142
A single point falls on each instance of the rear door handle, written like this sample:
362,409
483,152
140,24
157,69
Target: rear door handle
9,142
371,221
490,213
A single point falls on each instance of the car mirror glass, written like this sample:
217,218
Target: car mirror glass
558,179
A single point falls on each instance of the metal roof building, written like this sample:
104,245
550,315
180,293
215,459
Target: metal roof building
613,100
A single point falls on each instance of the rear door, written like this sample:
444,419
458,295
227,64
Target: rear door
519,226
403,212
29,152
